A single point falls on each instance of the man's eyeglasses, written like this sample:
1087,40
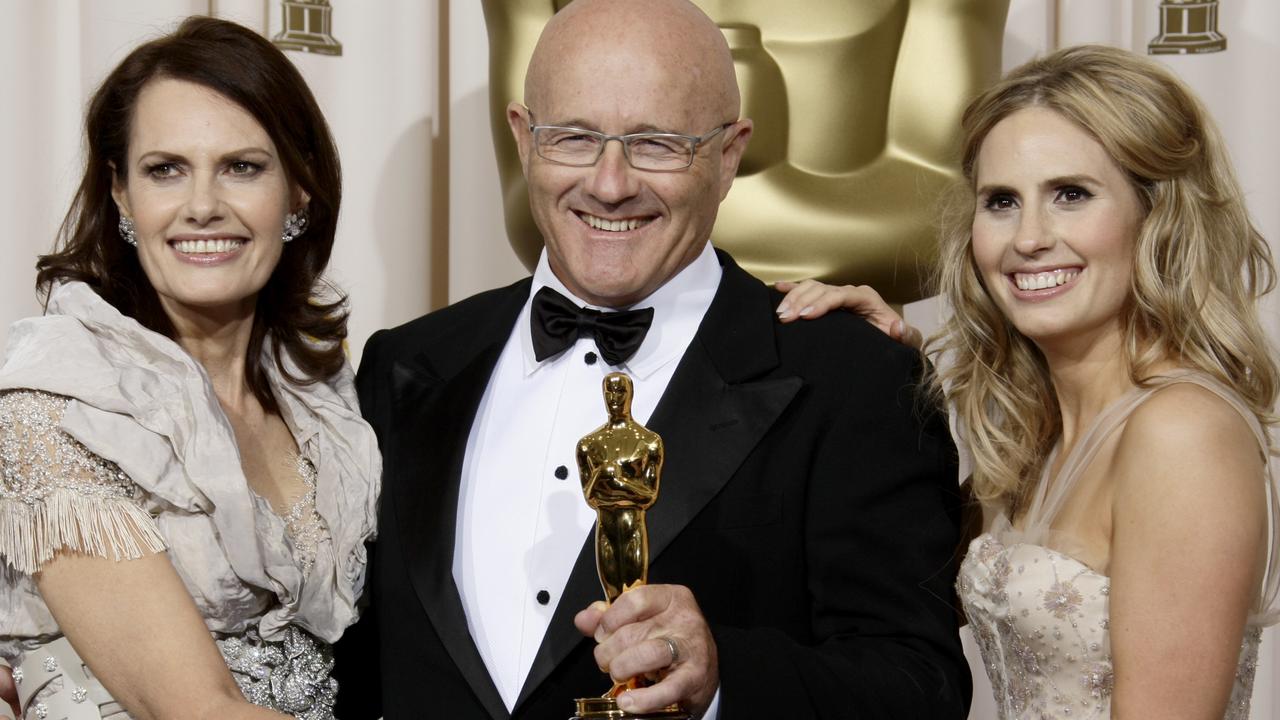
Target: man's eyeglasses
579,147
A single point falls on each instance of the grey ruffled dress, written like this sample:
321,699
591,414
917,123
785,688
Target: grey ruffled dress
113,444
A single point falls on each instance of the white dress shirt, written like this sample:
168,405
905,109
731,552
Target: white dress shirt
522,519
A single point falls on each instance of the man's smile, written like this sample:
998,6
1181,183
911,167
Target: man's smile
617,225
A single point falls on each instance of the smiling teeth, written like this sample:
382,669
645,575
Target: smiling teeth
1044,280
198,247
613,225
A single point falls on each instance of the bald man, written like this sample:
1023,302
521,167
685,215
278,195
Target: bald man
803,543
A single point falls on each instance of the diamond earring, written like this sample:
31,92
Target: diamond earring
127,232
295,223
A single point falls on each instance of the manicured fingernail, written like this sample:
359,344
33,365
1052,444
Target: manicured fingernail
899,328
626,703
784,312
806,310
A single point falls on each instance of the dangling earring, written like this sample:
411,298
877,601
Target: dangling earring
127,232
295,223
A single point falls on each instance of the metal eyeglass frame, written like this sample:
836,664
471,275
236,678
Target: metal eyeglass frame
695,141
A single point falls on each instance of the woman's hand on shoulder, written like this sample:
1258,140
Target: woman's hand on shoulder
810,299
1188,547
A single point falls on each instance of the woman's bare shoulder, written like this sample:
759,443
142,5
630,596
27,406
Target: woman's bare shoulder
1189,446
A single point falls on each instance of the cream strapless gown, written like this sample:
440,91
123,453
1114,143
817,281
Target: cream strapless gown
1040,616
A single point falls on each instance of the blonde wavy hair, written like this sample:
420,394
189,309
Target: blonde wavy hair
1199,264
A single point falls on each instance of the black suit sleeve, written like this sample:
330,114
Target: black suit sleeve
880,534
357,666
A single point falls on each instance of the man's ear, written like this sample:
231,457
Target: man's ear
518,119
118,192
736,137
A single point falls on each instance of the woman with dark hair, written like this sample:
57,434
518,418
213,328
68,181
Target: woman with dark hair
186,485
1114,386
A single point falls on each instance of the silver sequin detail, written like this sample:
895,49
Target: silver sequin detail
37,457
291,675
17,676
49,664
304,525
1063,600
79,695
41,710
1098,678
55,494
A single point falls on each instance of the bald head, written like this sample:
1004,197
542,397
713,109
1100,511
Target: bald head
682,52
614,232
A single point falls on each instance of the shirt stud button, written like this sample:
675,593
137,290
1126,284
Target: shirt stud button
544,597
590,358
562,472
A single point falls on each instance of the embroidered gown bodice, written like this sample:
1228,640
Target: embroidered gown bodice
113,444
1040,616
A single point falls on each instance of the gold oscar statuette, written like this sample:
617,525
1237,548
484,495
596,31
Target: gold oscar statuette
620,464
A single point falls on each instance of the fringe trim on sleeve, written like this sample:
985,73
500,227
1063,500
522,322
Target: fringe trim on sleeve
115,528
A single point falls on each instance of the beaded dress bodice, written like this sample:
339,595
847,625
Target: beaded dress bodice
1041,617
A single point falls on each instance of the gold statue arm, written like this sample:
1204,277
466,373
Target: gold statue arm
587,473
608,483
642,487
626,488
653,469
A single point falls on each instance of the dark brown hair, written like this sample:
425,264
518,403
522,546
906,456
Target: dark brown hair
302,314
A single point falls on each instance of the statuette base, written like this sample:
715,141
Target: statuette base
606,708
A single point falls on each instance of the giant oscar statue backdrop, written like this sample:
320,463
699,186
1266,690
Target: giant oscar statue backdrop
857,107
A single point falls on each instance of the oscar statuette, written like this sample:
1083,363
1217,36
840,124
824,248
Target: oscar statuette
620,464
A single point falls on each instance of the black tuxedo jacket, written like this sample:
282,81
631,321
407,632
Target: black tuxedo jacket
808,500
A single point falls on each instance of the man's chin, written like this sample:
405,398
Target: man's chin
611,293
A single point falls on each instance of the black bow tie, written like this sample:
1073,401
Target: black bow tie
558,323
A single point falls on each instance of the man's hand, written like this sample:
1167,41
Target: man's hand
809,299
656,631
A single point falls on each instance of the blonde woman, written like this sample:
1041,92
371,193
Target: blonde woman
1113,384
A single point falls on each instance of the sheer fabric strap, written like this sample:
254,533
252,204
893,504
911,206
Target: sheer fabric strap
1051,493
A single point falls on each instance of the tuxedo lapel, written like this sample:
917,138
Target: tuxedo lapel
708,428
435,406
723,398
719,404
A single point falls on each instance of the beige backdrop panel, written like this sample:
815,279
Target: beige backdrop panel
52,55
